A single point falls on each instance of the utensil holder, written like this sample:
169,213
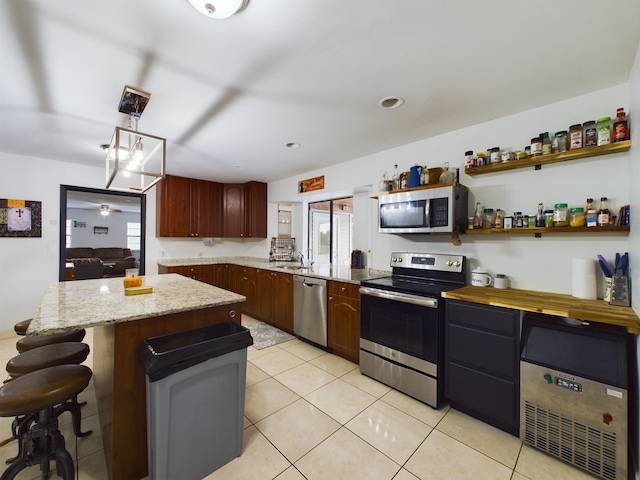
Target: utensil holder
620,290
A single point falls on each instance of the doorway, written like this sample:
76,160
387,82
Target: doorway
331,231
95,218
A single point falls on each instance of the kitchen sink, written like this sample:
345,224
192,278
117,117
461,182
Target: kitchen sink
295,267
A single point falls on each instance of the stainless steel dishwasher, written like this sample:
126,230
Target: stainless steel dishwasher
310,309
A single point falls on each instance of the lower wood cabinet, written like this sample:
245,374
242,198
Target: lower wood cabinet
245,282
343,312
222,276
482,363
202,273
275,299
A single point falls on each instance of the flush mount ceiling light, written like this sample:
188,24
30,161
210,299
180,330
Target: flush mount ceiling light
219,8
391,102
128,159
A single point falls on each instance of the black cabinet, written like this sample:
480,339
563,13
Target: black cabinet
482,363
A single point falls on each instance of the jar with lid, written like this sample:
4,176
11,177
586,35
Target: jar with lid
525,221
592,218
469,160
527,151
604,131
548,218
577,217
517,219
590,134
489,218
495,155
560,141
575,136
508,223
505,156
546,143
532,220
499,222
560,215
536,146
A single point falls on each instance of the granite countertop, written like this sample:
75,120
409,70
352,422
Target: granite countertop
92,303
342,273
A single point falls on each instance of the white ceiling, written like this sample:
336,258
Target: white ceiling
232,92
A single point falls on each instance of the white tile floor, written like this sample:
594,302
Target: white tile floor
312,415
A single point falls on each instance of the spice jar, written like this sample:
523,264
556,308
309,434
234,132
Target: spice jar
548,218
575,136
508,222
560,141
592,218
560,215
469,160
517,219
577,217
536,146
505,156
532,221
489,218
604,131
525,221
495,155
590,134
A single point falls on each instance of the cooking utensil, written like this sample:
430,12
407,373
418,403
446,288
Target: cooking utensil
604,265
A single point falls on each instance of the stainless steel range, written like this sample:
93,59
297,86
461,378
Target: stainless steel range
402,323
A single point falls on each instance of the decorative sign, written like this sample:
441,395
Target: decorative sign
316,183
20,218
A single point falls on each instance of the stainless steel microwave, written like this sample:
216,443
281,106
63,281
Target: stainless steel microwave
430,210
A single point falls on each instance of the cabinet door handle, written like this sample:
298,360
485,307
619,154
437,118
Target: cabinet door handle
343,289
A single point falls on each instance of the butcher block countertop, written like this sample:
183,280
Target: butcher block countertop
549,303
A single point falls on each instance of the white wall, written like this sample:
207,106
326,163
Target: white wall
115,222
542,264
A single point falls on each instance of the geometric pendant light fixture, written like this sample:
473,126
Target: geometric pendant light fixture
134,160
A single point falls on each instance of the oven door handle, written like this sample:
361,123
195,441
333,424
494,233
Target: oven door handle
400,297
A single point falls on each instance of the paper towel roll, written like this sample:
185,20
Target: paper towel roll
584,278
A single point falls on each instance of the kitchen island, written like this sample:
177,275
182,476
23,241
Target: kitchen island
120,325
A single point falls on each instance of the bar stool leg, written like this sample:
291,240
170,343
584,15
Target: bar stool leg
73,407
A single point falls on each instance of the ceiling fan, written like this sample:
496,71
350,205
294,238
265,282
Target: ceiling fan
105,210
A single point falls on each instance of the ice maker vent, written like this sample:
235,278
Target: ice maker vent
582,445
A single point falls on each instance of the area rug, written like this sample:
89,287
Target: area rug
265,335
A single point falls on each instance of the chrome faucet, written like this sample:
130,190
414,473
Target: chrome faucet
301,258
309,251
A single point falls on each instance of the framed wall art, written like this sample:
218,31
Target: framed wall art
20,218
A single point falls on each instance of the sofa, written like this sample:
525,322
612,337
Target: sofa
115,260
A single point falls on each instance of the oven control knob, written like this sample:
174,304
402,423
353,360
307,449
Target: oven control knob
449,263
456,263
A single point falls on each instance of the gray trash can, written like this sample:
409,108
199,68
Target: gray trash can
195,399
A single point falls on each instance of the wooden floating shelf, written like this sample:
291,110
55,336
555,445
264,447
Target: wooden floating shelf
537,162
421,187
538,231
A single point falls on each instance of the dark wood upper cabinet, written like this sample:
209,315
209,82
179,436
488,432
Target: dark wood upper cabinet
233,215
189,207
245,210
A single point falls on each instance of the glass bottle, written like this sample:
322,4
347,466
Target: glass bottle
540,216
590,204
603,213
477,217
395,179
546,143
620,127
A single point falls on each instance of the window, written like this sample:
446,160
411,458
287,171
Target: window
68,233
331,231
133,235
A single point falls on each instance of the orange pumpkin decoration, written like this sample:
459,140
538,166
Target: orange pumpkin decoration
132,282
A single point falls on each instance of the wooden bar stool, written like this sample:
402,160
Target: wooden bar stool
29,342
32,399
66,353
21,327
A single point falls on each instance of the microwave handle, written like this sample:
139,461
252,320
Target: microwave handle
427,213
